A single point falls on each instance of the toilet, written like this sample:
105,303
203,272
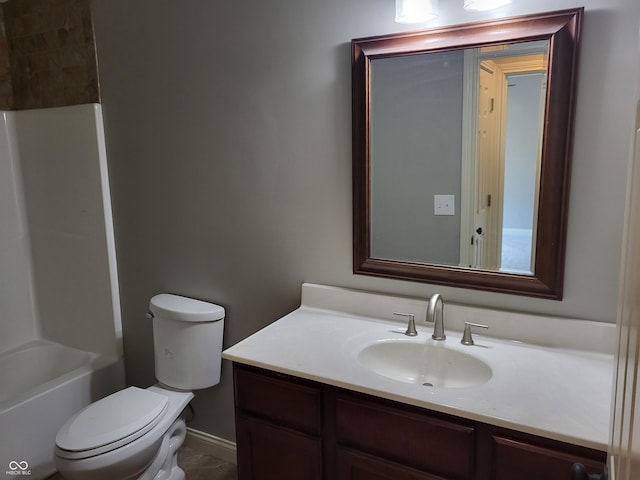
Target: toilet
135,433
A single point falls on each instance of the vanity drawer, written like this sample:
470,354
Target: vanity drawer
529,458
276,398
426,442
354,465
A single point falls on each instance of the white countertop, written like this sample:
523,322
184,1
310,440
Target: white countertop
558,392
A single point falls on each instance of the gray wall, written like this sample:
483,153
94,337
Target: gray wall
416,152
228,129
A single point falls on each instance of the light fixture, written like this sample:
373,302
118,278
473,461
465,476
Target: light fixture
484,5
416,11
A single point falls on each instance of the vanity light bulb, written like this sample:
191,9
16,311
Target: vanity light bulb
484,5
415,11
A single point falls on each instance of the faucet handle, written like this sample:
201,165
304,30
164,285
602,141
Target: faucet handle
467,339
411,328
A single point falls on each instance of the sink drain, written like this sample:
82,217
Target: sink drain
427,384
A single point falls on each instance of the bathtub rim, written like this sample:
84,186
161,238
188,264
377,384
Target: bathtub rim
95,362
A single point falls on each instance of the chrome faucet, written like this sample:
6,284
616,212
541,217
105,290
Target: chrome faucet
432,316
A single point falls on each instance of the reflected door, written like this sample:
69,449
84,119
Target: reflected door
511,94
486,232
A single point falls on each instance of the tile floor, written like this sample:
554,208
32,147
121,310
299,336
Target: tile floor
198,466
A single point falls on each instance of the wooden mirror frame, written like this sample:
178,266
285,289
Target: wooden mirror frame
562,30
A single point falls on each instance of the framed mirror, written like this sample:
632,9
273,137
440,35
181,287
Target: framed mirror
462,142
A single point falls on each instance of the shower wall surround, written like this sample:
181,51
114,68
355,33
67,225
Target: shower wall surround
47,54
68,208
57,252
18,323
48,59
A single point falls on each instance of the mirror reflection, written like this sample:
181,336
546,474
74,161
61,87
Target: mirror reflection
455,156
462,140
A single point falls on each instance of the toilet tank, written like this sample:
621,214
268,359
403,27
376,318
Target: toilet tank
187,340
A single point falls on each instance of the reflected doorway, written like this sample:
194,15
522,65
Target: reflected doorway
525,96
504,104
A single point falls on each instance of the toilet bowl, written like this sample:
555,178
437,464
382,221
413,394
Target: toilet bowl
136,433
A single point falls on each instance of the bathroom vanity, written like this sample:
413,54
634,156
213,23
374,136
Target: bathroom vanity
289,428
313,403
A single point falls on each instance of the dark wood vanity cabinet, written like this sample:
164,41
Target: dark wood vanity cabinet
293,429
524,457
278,427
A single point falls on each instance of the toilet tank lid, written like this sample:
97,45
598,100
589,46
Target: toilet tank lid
175,307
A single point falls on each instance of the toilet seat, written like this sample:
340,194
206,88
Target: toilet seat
110,423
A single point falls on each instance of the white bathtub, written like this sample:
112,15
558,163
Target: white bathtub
42,384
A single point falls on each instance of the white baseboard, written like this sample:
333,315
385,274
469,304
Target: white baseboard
211,445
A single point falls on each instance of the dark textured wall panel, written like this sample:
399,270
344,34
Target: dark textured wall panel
47,54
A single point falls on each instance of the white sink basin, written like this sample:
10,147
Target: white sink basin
428,364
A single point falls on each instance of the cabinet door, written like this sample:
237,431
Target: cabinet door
354,465
517,459
269,452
